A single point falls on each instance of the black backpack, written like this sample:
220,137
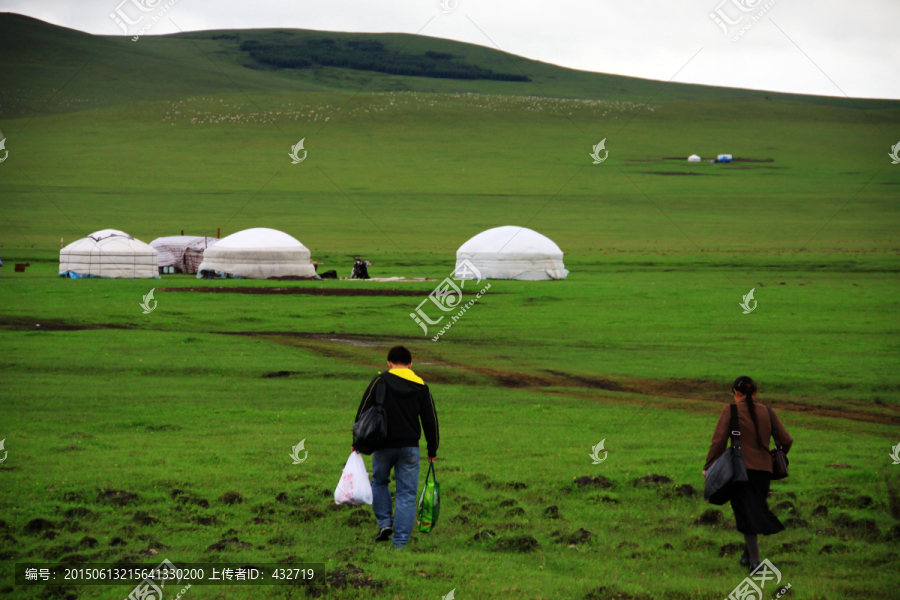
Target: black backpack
371,429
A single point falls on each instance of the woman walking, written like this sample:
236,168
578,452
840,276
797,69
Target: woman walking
749,499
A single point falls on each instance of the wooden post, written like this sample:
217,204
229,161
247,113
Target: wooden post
182,232
218,232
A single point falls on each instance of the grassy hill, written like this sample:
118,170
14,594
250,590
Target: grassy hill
40,60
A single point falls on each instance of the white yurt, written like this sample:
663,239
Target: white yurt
511,253
693,158
258,253
183,253
108,253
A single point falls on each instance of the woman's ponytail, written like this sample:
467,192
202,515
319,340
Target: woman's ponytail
746,386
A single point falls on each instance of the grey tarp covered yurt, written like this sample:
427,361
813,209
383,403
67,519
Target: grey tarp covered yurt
184,252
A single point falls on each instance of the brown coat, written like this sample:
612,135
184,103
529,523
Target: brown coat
756,457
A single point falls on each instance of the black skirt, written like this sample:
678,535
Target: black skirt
749,501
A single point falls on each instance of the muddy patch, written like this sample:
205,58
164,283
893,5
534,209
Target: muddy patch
185,497
230,498
591,382
144,518
511,485
116,497
710,517
308,291
611,593
520,543
279,374
579,537
228,544
79,512
43,324
348,577
672,173
36,526
307,514
732,549
360,518
649,480
863,528
594,481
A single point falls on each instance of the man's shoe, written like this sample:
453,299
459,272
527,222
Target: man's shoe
753,567
384,534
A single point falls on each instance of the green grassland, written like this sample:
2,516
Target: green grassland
206,395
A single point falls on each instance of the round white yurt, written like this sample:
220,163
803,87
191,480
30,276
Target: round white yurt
183,253
108,253
258,253
511,253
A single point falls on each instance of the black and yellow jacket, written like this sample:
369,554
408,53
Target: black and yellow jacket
407,400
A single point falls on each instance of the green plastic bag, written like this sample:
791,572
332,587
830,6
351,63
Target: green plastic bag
429,502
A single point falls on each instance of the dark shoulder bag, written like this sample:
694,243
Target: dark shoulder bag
728,468
779,458
372,428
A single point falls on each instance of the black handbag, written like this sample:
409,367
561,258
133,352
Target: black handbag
780,460
371,429
728,468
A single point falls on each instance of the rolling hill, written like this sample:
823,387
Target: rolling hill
39,59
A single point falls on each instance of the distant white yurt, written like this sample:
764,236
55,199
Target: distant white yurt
511,253
258,253
108,253
182,253
693,158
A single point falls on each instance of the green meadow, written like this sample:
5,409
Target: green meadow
136,437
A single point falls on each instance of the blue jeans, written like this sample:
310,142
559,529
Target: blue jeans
405,462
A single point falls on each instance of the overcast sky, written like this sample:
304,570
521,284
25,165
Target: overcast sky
827,47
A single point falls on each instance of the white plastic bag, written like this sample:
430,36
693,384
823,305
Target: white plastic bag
354,487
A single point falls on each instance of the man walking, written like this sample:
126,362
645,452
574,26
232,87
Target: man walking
407,400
